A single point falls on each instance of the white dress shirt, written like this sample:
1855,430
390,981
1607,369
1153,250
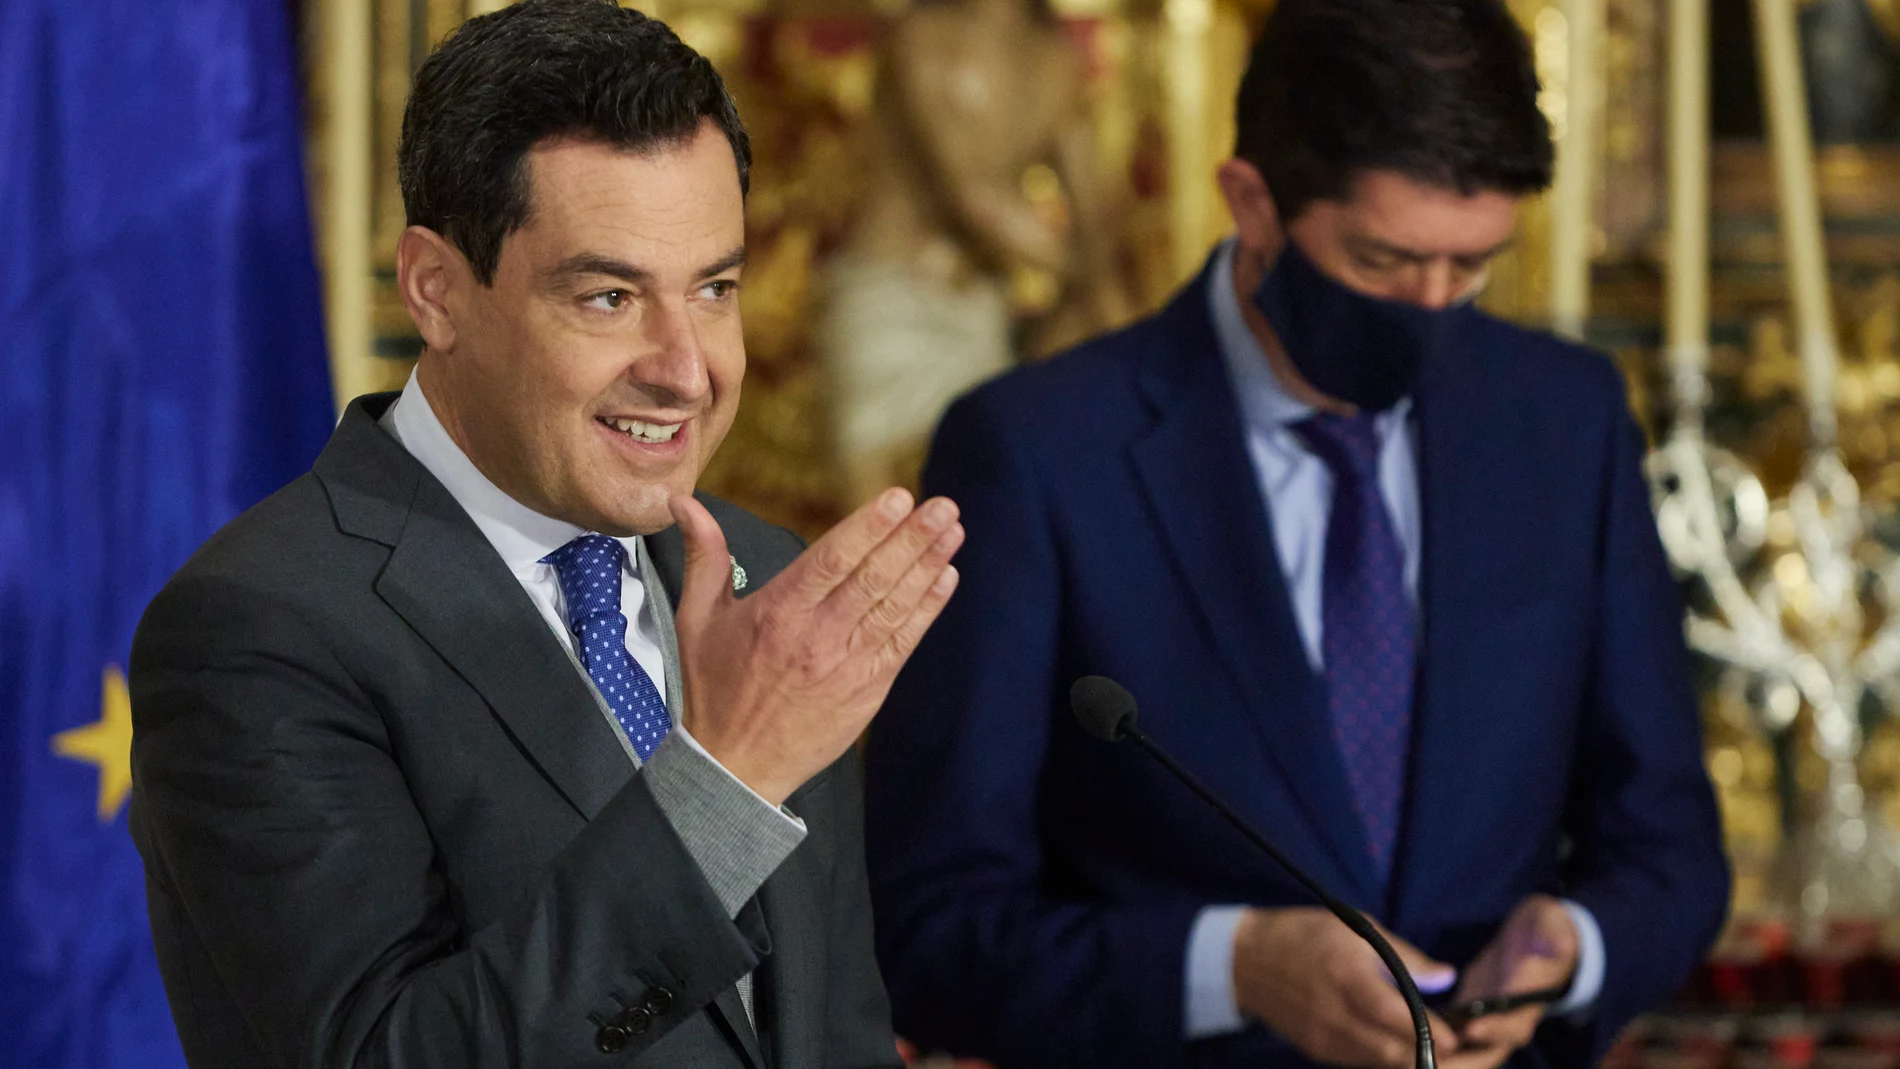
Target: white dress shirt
1297,487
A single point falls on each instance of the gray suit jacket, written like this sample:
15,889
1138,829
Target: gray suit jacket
384,822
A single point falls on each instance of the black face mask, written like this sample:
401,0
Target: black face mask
1350,346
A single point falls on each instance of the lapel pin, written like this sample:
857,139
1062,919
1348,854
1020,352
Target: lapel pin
738,574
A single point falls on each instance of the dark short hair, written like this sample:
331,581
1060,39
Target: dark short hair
1441,91
504,82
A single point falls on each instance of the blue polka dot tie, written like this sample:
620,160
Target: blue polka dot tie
1369,637
590,568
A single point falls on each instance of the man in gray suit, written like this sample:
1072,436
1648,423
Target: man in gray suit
487,743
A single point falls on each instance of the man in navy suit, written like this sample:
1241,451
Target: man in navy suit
1380,567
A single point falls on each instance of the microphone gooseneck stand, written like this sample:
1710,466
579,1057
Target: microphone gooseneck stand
1107,711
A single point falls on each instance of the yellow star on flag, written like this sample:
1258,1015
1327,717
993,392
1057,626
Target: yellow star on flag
107,744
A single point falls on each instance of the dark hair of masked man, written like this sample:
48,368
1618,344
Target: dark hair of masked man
1381,568
487,743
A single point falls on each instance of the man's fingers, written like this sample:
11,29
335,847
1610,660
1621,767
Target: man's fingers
911,631
1432,976
1490,1040
1472,1057
1356,1044
1444,1037
1374,1001
1482,976
1535,950
830,560
708,578
1366,1026
1377,1032
1509,1030
884,618
878,575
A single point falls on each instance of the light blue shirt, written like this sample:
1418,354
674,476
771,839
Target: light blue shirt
1298,490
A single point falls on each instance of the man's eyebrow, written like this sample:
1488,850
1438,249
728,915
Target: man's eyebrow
583,264
1374,245
735,258
1493,251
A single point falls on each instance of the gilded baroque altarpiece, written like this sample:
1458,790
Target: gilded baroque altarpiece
1160,78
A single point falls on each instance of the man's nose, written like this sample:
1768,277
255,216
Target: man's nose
1435,285
675,361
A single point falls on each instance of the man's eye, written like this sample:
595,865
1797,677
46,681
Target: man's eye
720,288
608,300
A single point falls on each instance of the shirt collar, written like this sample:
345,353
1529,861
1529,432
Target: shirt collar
521,535
1265,405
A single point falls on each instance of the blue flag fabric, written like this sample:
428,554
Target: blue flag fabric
163,368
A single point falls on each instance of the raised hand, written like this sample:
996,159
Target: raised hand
780,684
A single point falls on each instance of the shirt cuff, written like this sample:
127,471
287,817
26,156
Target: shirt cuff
737,838
1587,983
1210,1009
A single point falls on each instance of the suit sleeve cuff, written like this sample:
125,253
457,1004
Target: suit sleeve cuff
1210,1009
1587,984
737,838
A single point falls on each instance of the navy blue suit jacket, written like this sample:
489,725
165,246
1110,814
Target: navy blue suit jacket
1034,887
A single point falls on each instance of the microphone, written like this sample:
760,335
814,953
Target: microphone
1107,711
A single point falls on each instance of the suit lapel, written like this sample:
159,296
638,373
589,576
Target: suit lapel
667,551
661,601
1478,518
1204,496
447,582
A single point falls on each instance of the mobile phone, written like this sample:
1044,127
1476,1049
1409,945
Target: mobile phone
1484,1007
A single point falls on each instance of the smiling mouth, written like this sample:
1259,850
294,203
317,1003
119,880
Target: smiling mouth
640,430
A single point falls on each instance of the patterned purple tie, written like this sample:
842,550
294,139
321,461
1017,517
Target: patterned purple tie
1369,644
589,568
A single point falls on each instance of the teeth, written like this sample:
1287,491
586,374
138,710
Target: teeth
644,432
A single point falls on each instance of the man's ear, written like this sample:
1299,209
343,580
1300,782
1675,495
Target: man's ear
432,275
1256,220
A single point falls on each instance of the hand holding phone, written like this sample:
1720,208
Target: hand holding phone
1528,964
1462,1012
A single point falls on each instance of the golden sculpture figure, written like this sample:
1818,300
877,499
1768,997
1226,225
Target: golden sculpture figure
971,95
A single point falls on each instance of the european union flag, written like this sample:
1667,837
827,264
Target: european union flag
163,369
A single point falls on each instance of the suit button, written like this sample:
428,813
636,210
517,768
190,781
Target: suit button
636,1020
657,1001
610,1039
